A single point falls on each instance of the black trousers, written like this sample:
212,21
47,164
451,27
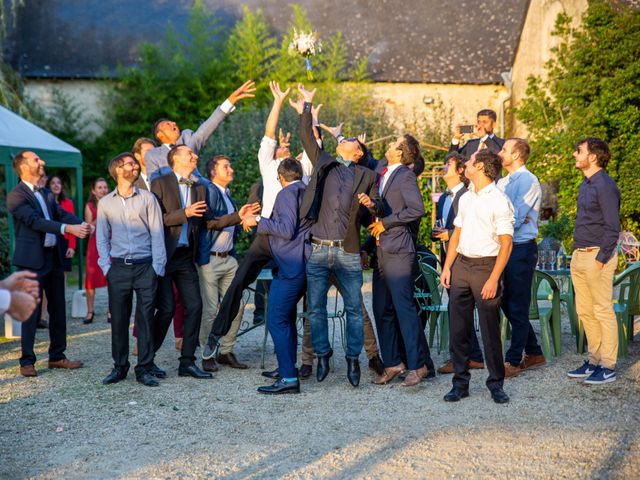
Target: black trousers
51,280
468,276
399,327
518,276
122,281
254,261
182,271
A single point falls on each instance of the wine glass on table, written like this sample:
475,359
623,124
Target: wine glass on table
552,259
542,260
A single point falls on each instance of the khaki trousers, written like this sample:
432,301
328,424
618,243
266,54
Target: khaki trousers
594,291
215,278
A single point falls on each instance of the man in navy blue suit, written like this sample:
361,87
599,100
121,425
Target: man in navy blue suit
288,237
396,317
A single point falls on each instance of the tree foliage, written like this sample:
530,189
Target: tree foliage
592,88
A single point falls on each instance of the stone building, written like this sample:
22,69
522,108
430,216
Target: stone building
430,61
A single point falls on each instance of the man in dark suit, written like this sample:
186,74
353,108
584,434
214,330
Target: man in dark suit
399,327
183,203
139,150
333,202
288,239
483,131
167,133
446,212
40,224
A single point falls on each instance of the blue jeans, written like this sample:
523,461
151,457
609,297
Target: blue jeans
348,271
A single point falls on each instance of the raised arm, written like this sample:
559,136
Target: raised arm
278,100
303,106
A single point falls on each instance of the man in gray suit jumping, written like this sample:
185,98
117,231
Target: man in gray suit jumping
167,133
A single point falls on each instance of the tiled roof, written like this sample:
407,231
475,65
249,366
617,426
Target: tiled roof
455,41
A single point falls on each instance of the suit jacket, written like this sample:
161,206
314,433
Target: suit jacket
166,189
403,206
217,219
448,222
31,226
288,234
493,144
141,184
156,158
364,182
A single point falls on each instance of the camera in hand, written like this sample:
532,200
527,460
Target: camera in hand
466,128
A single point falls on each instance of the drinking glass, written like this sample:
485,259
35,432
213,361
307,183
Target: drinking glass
543,259
552,259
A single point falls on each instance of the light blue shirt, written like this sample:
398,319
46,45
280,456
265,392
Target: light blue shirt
523,189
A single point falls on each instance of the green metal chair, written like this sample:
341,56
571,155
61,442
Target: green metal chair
437,309
548,316
627,305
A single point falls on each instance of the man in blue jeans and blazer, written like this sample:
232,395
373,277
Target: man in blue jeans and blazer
333,202
288,237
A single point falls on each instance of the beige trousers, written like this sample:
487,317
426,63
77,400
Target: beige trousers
215,278
594,291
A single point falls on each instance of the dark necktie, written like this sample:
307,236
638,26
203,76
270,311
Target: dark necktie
185,181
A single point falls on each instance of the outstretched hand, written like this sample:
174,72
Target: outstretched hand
244,91
315,113
335,131
284,140
307,95
298,105
278,94
248,210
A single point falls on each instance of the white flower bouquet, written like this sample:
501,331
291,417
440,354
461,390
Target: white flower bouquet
305,45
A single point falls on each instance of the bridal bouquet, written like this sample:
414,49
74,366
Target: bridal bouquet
306,45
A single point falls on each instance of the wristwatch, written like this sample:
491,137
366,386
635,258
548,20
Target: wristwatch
258,218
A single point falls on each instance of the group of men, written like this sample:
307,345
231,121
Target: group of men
166,225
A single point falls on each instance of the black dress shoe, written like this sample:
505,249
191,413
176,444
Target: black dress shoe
456,394
210,365
115,376
193,371
281,387
275,374
147,380
305,371
353,371
323,366
499,396
157,372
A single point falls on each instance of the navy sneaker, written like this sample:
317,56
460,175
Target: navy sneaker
600,376
584,371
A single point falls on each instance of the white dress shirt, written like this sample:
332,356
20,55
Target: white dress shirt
50,239
482,217
224,241
523,189
386,176
185,199
269,172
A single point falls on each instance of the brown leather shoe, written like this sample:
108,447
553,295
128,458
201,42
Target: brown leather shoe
446,369
414,377
375,364
230,360
66,363
511,370
305,371
473,365
210,365
389,374
530,361
28,371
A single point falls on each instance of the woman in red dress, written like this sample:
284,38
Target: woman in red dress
94,277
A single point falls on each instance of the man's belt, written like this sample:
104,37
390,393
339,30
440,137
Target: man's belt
327,243
220,254
525,242
132,261
588,249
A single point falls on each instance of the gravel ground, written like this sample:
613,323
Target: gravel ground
68,425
